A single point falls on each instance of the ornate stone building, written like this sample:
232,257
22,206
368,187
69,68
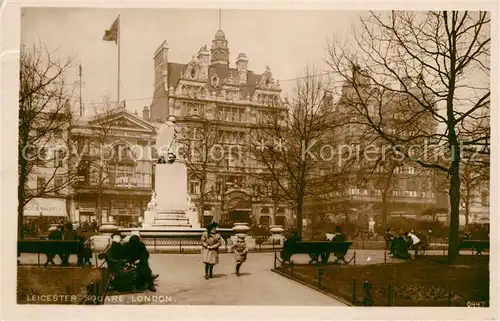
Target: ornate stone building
115,171
232,99
382,186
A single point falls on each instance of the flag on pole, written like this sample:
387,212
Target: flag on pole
112,33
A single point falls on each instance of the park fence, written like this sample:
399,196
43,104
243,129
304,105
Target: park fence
365,288
179,245
372,278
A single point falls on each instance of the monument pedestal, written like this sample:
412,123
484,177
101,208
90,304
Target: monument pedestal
170,207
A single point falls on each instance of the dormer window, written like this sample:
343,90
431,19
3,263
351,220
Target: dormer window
215,81
193,73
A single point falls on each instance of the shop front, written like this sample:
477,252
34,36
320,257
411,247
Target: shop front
40,213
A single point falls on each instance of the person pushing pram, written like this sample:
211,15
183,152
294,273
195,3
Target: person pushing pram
401,245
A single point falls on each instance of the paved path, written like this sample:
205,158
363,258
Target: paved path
182,281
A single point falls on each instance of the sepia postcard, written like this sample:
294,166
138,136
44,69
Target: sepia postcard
280,161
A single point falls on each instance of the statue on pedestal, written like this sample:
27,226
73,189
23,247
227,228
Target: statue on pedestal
166,142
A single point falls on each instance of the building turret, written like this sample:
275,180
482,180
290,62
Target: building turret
242,66
219,51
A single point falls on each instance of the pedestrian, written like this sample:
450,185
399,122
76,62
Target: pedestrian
240,252
135,252
210,242
389,237
68,235
54,234
413,241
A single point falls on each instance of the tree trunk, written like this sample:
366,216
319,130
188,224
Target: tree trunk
99,208
454,211
299,215
454,170
20,219
275,209
201,203
21,194
467,208
384,209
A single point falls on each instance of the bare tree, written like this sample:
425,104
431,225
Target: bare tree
202,143
96,146
288,141
421,64
45,119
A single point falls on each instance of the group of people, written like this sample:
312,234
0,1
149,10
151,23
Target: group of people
210,244
133,252
66,232
399,245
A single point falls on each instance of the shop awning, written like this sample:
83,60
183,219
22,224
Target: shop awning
46,206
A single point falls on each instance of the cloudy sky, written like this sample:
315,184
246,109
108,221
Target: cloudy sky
283,40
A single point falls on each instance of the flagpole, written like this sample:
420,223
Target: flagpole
119,44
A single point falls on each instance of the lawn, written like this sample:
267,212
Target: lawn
426,281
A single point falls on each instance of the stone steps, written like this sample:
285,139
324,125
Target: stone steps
168,216
171,222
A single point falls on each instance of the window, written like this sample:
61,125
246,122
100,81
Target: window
42,156
194,187
40,185
193,111
58,157
58,184
485,201
265,221
411,170
58,134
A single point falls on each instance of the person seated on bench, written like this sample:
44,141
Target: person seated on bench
84,254
339,237
389,238
315,257
116,249
115,253
399,247
414,242
55,234
294,238
135,252
69,235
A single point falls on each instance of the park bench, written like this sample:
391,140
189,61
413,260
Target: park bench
316,249
47,247
475,245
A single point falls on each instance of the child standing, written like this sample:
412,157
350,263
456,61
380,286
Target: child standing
240,252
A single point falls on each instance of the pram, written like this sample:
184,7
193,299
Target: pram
122,274
400,246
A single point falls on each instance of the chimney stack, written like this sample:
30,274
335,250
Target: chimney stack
145,113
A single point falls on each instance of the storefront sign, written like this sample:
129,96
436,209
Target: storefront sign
45,206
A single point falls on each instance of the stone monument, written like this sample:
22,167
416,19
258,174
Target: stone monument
170,206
